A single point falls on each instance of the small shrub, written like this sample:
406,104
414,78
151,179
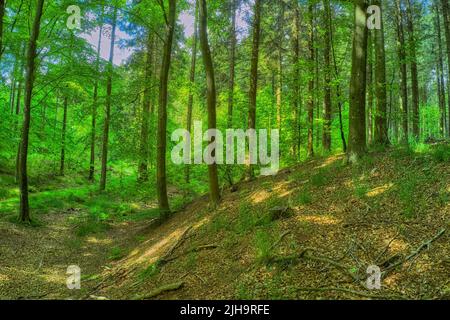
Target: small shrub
441,153
263,244
116,253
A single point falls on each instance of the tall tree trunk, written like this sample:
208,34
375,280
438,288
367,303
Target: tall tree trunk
94,107
357,120
338,86
161,185
279,92
214,192
63,139
296,78
326,137
403,69
24,215
2,14
370,91
381,127
414,72
446,15
254,71
145,148
108,105
231,77
440,72
192,84
311,80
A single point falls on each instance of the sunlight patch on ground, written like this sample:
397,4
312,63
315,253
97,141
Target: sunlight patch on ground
328,162
379,190
154,252
397,246
260,196
318,219
94,240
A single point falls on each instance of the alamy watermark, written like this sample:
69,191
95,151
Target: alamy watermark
235,140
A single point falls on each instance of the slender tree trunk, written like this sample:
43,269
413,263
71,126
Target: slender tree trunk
108,105
163,200
326,137
296,78
254,71
145,148
381,127
214,192
403,70
231,80
2,14
357,120
440,72
338,86
24,215
94,108
370,91
414,72
279,92
63,139
446,15
311,81
192,84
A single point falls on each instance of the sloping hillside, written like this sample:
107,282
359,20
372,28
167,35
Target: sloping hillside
310,232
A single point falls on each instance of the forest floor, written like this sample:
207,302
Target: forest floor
309,232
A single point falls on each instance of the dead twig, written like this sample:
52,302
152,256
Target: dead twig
354,292
166,256
160,290
423,246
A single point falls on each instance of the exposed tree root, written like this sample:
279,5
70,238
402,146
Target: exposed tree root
160,290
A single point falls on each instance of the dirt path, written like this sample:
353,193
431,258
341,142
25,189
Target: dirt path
34,260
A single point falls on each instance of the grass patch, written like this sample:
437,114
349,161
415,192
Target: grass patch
116,253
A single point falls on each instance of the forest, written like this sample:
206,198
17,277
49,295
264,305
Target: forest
225,149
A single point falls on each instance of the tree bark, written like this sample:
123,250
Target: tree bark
414,72
381,127
296,78
326,137
254,71
2,14
192,84
94,109
311,80
108,105
357,119
63,139
279,91
403,70
24,213
214,192
440,72
446,15
163,200
338,86
144,147
370,91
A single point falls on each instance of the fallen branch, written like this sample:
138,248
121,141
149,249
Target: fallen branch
166,257
306,256
160,290
416,252
354,292
196,249
281,238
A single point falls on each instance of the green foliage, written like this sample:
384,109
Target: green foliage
441,153
304,197
116,253
263,243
